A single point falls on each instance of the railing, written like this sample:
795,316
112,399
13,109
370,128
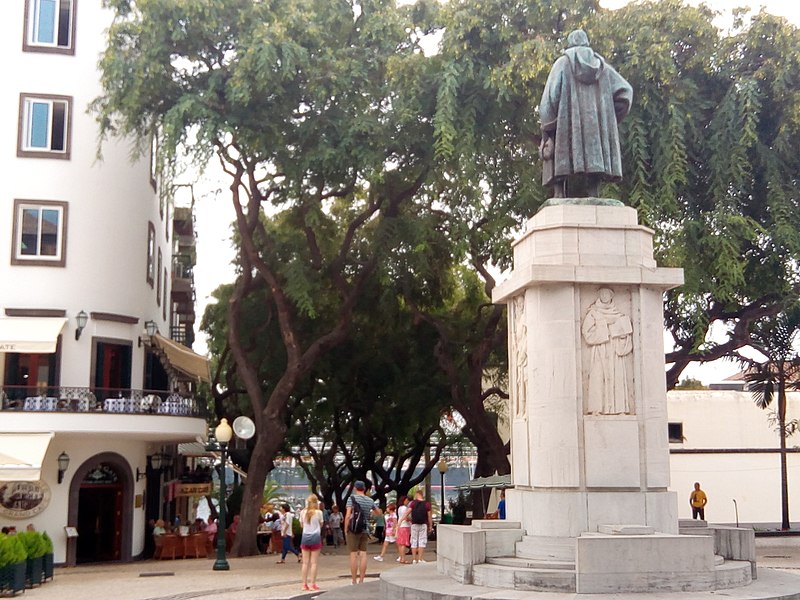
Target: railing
99,400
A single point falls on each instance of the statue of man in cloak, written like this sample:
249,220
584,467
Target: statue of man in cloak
583,101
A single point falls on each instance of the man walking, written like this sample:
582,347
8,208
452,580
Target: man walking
359,506
698,501
421,526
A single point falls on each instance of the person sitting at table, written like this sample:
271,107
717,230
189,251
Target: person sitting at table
235,524
211,530
159,529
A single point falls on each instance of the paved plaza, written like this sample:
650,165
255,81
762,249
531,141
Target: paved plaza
260,578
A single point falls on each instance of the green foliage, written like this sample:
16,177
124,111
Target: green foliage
48,543
688,383
12,550
34,543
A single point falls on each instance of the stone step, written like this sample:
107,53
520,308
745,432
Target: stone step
531,563
734,574
547,548
514,578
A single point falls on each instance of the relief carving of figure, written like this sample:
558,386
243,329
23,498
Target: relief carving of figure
520,354
608,333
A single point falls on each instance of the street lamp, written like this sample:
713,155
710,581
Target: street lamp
442,466
223,433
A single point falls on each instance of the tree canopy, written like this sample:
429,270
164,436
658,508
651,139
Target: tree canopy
359,166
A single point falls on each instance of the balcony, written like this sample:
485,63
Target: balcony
100,401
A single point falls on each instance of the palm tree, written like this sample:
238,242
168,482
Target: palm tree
775,339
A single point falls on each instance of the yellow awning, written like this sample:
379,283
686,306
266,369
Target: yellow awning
35,335
182,359
21,455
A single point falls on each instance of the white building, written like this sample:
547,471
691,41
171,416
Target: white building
724,441
90,255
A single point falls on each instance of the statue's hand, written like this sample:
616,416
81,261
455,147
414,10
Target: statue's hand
546,148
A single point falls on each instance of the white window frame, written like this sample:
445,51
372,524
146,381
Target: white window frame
32,19
57,260
24,147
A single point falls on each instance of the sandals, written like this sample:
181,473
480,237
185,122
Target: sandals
280,562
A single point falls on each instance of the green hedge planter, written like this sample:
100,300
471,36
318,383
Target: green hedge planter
12,579
34,571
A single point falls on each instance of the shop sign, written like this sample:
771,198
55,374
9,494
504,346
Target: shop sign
192,489
23,499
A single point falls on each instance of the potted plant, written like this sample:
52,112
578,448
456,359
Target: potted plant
36,549
12,564
48,556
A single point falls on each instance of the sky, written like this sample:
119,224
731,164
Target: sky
214,212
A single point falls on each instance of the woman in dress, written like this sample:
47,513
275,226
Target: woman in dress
311,544
403,529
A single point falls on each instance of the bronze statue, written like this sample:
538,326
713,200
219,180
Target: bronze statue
583,101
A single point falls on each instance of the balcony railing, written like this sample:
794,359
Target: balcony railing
100,400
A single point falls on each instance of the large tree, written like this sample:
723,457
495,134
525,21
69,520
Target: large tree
316,113
708,155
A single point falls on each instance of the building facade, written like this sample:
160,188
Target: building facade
722,440
97,306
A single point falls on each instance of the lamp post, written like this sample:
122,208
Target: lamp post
442,466
223,433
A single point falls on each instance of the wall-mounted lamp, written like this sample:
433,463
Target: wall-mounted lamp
156,462
63,465
150,328
81,319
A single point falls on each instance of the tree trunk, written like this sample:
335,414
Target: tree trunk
784,472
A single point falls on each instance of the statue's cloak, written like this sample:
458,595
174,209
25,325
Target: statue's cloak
583,101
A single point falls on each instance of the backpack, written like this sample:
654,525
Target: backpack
419,513
358,519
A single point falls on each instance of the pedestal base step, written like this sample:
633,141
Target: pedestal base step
521,562
423,582
523,578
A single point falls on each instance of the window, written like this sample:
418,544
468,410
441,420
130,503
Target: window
154,168
39,234
675,432
158,274
50,26
151,253
44,126
164,302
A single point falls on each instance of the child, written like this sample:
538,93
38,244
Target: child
391,530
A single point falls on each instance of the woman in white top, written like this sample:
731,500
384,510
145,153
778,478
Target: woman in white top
403,529
311,517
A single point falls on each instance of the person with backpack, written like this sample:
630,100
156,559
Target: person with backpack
421,526
359,506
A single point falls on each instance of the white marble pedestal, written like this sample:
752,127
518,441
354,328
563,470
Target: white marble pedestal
589,445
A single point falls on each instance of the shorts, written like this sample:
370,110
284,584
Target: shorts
419,536
311,541
390,538
404,536
357,542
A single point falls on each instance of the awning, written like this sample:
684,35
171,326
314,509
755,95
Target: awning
182,359
35,335
21,455
493,481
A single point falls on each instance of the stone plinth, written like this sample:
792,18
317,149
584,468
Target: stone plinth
588,449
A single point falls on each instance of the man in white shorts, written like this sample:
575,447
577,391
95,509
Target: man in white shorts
421,526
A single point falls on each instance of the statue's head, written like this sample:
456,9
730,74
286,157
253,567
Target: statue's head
577,38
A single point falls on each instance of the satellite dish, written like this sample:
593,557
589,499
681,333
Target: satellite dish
244,428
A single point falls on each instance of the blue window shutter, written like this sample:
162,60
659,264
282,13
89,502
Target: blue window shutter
46,22
39,121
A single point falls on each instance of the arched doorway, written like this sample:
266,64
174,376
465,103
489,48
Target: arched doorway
100,507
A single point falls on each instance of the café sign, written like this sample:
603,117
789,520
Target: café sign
192,489
23,499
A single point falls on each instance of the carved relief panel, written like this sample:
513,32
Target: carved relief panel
518,354
607,351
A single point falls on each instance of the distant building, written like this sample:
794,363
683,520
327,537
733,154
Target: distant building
97,302
728,444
